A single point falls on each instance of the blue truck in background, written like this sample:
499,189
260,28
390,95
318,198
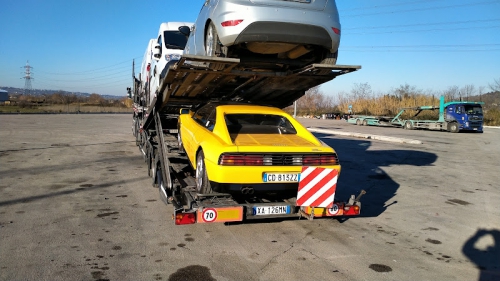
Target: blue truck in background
454,116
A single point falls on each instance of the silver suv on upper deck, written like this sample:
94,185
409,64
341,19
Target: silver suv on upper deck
269,33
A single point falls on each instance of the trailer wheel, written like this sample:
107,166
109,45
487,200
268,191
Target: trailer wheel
202,182
365,123
134,126
212,46
358,122
154,172
408,125
453,127
149,160
137,134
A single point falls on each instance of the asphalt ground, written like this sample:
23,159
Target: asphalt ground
76,204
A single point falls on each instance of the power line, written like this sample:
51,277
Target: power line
421,24
418,51
426,46
426,30
421,9
389,5
91,70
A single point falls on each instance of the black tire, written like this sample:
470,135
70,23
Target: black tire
365,123
408,125
154,172
134,127
358,122
330,58
179,142
137,133
453,127
149,160
202,182
212,46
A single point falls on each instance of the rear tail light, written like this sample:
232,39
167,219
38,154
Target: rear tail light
351,210
319,160
235,159
231,23
185,218
241,160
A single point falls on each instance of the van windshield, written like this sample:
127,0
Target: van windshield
174,40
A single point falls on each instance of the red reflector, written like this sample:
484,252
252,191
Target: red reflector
149,67
336,30
187,218
351,210
231,23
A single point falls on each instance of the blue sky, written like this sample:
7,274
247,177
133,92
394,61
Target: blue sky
88,45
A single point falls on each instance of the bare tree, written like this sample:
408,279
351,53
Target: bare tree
495,86
452,93
467,91
405,91
361,91
480,92
96,99
310,102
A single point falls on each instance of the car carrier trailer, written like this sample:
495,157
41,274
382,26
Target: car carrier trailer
454,116
196,80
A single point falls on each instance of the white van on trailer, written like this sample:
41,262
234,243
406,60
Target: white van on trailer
170,43
145,74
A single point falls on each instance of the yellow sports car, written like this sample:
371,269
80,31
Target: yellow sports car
246,149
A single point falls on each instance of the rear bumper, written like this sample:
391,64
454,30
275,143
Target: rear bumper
285,33
276,24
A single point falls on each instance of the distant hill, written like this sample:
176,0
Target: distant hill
40,92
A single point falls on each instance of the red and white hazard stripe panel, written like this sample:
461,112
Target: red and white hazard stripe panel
317,187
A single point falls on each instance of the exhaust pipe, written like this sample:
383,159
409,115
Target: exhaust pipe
247,190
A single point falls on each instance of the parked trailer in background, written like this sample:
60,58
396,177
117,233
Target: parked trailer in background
454,116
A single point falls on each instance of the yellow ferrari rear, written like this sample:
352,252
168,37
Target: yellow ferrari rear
247,146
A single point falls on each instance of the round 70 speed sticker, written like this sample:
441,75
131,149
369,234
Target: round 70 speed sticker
209,215
334,210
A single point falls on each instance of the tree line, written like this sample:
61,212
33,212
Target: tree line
363,100
64,98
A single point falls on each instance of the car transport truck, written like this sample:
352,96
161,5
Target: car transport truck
454,116
195,83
